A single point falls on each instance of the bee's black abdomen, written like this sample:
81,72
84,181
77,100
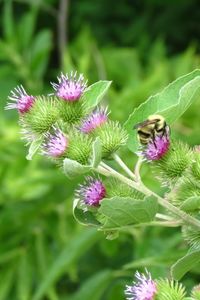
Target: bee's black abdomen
144,134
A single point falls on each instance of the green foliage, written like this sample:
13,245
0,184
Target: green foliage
128,211
72,168
36,219
184,264
70,253
171,103
94,93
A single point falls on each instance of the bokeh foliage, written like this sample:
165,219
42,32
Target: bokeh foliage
44,253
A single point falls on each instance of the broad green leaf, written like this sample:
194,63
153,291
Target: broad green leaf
192,203
83,217
95,92
96,153
94,287
71,253
185,264
118,212
34,147
72,168
171,103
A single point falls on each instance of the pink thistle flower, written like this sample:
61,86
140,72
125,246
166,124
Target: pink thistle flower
21,100
144,289
94,120
157,148
70,87
56,143
91,192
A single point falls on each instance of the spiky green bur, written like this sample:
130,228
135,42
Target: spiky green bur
184,189
72,112
174,163
80,147
112,137
42,115
196,292
191,236
169,290
116,188
195,167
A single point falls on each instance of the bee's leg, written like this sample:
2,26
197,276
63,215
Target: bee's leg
153,139
166,130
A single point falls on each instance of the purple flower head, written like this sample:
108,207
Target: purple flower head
92,192
56,143
70,87
94,120
143,289
157,148
21,100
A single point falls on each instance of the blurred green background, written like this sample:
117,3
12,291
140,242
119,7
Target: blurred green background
141,46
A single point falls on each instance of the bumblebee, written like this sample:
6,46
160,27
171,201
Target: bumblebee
155,125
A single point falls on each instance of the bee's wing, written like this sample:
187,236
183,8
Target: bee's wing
144,123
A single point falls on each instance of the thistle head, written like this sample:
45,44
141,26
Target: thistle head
80,147
70,87
42,116
55,144
91,192
112,137
157,148
94,120
20,100
196,292
144,289
176,161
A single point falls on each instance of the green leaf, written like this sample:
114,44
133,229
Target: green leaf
185,264
34,147
83,217
96,153
26,27
171,103
119,211
72,168
24,278
94,287
191,204
7,283
95,92
70,254
8,21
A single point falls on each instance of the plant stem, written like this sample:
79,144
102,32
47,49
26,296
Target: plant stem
164,217
108,171
137,169
124,166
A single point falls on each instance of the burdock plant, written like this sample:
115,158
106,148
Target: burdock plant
72,128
